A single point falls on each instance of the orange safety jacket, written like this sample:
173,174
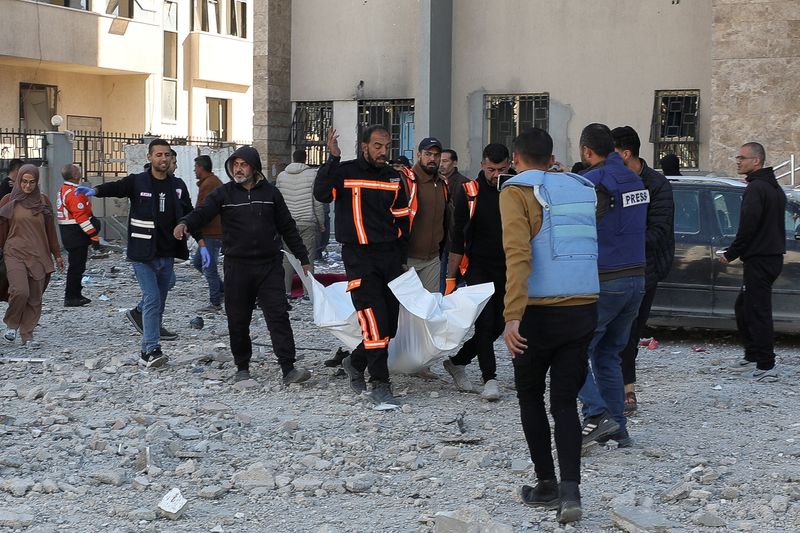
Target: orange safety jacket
74,208
410,180
471,190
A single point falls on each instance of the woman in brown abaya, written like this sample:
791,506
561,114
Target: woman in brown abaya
29,244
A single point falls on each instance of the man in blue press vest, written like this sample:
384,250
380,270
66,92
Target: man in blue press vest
550,243
622,202
158,200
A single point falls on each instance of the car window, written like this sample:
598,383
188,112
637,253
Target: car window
792,219
687,211
727,206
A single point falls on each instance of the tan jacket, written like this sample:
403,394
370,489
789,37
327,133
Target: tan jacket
427,233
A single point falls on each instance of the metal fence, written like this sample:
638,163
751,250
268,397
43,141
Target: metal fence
28,145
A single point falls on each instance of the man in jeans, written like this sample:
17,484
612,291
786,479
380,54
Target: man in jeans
207,181
157,201
622,202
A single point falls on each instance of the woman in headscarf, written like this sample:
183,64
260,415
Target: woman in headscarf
29,243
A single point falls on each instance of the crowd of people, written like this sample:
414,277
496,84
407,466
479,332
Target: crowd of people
574,258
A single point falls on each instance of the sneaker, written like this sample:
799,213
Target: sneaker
381,393
569,505
243,374
153,359
31,344
210,308
167,335
491,390
743,365
459,374
357,382
544,494
10,335
597,427
296,375
770,375
622,439
135,316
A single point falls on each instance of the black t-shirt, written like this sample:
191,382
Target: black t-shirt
164,197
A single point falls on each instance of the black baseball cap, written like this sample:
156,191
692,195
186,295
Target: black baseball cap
430,142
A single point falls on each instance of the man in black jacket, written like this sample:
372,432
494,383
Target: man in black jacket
760,243
372,224
158,200
8,183
254,219
659,248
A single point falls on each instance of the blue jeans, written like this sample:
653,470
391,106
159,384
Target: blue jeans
215,287
616,310
156,278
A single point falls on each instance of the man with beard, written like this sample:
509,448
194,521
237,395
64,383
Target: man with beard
254,218
427,201
157,201
477,250
371,213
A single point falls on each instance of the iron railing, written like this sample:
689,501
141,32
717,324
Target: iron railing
28,145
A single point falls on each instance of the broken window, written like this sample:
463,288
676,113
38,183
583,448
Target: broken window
37,105
674,127
217,121
238,18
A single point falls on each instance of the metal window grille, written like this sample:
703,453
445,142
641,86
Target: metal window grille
28,145
397,116
674,127
310,130
509,114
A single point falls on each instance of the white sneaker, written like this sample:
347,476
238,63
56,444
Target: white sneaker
491,390
10,335
770,375
459,374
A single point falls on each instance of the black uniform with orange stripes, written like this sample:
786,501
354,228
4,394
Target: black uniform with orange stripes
371,209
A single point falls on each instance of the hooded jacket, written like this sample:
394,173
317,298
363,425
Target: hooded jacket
762,228
296,184
659,245
253,221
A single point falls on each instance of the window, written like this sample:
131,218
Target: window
509,114
397,116
80,123
75,4
687,211
37,105
169,85
674,127
205,16
238,18
120,8
310,125
727,206
217,121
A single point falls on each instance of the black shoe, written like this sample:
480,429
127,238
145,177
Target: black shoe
337,359
153,359
243,374
544,494
623,439
357,382
597,427
296,375
569,505
381,393
167,335
135,316
76,302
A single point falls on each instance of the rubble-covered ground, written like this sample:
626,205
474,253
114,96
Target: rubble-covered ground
91,442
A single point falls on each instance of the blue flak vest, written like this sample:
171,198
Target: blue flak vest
564,252
621,231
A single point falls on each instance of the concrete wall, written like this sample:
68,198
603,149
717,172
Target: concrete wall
756,79
599,61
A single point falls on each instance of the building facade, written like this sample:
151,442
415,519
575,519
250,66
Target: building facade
178,68
693,78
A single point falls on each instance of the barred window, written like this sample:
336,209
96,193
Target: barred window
509,114
310,130
397,116
674,127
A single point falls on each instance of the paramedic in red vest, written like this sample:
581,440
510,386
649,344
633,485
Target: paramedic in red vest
477,235
427,196
77,227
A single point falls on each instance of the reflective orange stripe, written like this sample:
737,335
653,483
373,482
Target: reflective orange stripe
401,212
373,324
358,219
333,192
472,196
369,184
362,321
463,265
371,345
353,284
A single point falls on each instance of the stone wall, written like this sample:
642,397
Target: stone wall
755,79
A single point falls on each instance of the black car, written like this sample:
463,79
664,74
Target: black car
699,291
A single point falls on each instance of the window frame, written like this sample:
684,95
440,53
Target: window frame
696,193
683,143
495,132
310,122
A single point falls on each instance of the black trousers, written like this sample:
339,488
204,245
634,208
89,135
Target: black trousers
370,268
638,328
558,339
75,269
246,282
754,309
488,326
